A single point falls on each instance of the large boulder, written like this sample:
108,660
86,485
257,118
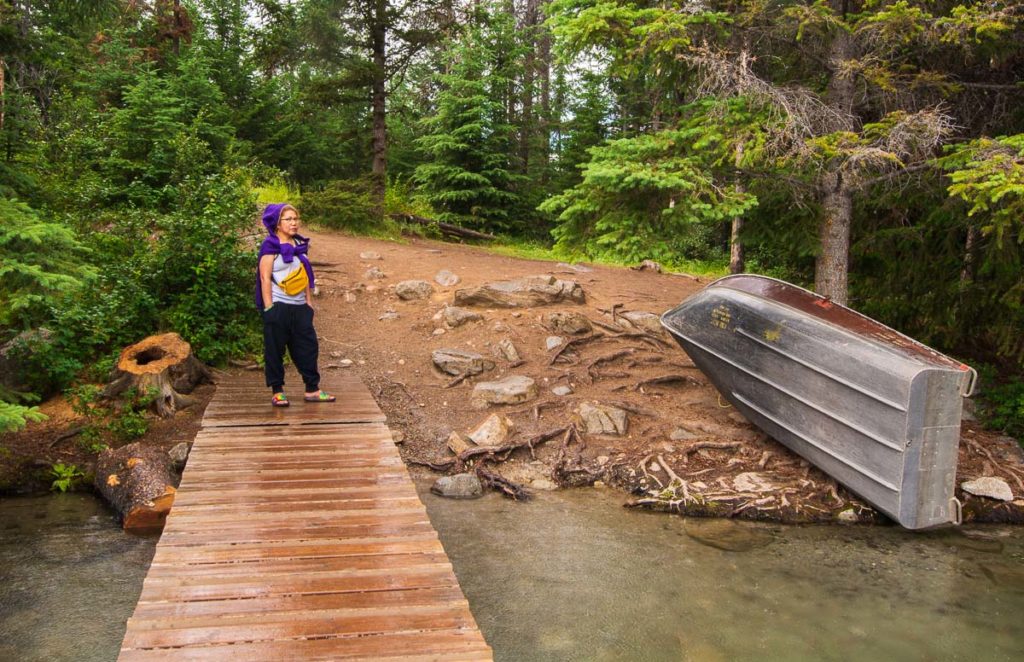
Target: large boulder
408,290
602,419
493,431
458,362
508,391
569,323
459,486
522,293
988,486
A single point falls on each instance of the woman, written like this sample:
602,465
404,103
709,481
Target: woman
284,283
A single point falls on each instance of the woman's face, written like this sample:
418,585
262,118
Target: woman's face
289,222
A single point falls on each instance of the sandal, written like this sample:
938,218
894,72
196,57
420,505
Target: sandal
320,396
279,400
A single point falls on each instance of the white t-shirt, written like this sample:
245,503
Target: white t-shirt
281,271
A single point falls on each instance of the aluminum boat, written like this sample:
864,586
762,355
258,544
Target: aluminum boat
876,410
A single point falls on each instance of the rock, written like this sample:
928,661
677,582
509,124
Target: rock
15,356
567,322
553,341
988,486
493,431
438,332
648,265
508,391
752,482
388,315
458,362
458,442
409,290
370,255
578,268
522,293
543,484
562,390
848,516
398,437
506,350
454,316
602,419
179,455
459,486
345,363
725,534
350,297
373,273
640,319
682,434
602,460
445,278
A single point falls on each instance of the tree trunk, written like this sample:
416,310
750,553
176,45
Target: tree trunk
164,364
3,69
544,47
529,65
379,100
967,269
737,262
833,264
139,481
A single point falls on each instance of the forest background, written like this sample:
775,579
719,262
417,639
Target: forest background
873,150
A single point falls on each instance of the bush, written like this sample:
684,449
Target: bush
342,204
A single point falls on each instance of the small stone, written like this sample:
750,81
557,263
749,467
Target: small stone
562,390
388,316
336,355
569,323
438,332
492,432
848,516
602,419
648,265
373,273
446,278
350,297
345,363
988,486
553,341
458,442
398,437
511,390
455,317
459,486
752,482
179,454
458,362
578,268
370,255
602,460
401,361
409,290
506,350
599,484
517,314
371,289
682,434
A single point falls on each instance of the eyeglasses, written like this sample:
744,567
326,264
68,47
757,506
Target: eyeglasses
286,219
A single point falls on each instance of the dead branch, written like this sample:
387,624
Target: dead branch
502,484
633,409
573,342
489,453
458,380
67,435
667,379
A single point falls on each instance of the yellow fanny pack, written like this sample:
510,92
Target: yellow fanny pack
295,282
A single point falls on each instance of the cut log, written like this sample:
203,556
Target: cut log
139,482
446,229
164,363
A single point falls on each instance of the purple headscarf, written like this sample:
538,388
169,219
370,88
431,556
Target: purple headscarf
272,246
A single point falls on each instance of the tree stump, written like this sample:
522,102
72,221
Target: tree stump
164,363
139,482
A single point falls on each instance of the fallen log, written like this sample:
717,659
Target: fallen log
139,481
162,364
446,229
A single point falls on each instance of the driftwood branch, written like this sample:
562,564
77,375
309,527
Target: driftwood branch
446,229
501,484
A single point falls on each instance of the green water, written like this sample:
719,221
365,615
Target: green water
573,576
69,578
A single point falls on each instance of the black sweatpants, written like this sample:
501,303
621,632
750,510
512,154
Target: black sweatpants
290,325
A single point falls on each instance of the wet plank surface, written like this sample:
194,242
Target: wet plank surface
297,534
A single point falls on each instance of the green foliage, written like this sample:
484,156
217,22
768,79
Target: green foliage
43,260
1003,408
15,417
123,419
65,476
341,204
988,174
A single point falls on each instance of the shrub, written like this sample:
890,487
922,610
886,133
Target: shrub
341,204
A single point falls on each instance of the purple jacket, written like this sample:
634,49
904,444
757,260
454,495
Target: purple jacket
272,246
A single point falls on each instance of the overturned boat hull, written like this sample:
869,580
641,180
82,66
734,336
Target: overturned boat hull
871,407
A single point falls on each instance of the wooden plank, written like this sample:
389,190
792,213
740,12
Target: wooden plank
298,534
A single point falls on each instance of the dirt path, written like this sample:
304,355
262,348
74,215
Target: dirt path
680,426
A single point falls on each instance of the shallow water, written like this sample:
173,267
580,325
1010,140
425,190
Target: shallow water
69,578
573,576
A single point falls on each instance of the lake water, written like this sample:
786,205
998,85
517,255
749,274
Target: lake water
574,576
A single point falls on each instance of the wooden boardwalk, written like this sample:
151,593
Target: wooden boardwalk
297,534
